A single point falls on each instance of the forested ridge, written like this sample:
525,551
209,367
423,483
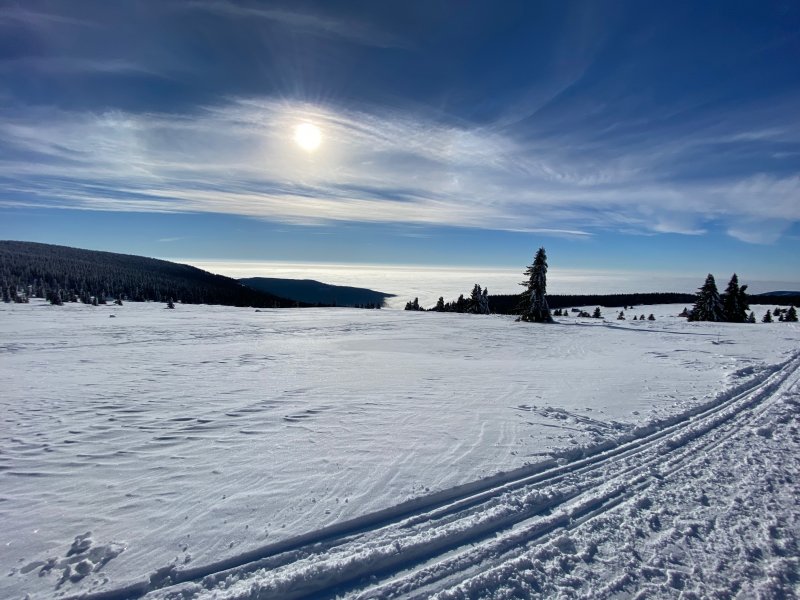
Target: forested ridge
31,269
510,303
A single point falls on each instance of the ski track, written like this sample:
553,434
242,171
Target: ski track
454,542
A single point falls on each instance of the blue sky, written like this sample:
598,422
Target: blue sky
619,135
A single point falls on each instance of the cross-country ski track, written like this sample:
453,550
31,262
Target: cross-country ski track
457,542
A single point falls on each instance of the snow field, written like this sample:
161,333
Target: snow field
194,440
559,503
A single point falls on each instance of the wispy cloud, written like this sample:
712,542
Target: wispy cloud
74,64
351,30
378,167
16,15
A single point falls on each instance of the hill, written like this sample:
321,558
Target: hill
42,269
316,292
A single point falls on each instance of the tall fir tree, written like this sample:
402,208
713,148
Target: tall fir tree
475,300
534,300
485,302
735,301
708,306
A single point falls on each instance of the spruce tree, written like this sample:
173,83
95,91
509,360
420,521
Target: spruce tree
475,300
534,300
651,317
439,304
485,302
735,301
596,314
767,317
708,306
751,318
791,315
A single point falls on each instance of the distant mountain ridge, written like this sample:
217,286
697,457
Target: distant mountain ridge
77,274
315,292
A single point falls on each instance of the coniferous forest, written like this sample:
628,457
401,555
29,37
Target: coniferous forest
64,274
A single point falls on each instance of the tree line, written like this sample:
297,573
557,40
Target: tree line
534,305
477,303
63,274
732,306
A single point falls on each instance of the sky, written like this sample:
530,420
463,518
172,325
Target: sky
657,138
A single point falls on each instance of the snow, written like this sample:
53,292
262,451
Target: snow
175,445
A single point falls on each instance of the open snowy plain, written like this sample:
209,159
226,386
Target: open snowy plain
217,452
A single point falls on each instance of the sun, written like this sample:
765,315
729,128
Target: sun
307,136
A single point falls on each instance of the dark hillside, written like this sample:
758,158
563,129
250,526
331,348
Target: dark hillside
41,269
316,292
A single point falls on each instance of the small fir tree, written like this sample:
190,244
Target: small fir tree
596,314
767,317
621,316
651,317
439,304
534,300
170,303
791,315
751,318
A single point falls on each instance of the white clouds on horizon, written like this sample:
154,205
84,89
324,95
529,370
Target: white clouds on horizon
374,167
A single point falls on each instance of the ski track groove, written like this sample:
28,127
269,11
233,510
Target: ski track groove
475,529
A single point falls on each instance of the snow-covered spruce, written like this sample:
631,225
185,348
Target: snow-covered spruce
534,299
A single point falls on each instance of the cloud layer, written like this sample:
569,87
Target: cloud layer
379,166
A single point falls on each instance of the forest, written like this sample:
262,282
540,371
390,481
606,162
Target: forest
64,274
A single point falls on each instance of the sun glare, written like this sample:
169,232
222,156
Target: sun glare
308,136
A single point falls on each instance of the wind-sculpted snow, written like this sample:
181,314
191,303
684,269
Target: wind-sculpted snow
221,452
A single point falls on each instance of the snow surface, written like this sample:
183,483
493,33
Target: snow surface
163,446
